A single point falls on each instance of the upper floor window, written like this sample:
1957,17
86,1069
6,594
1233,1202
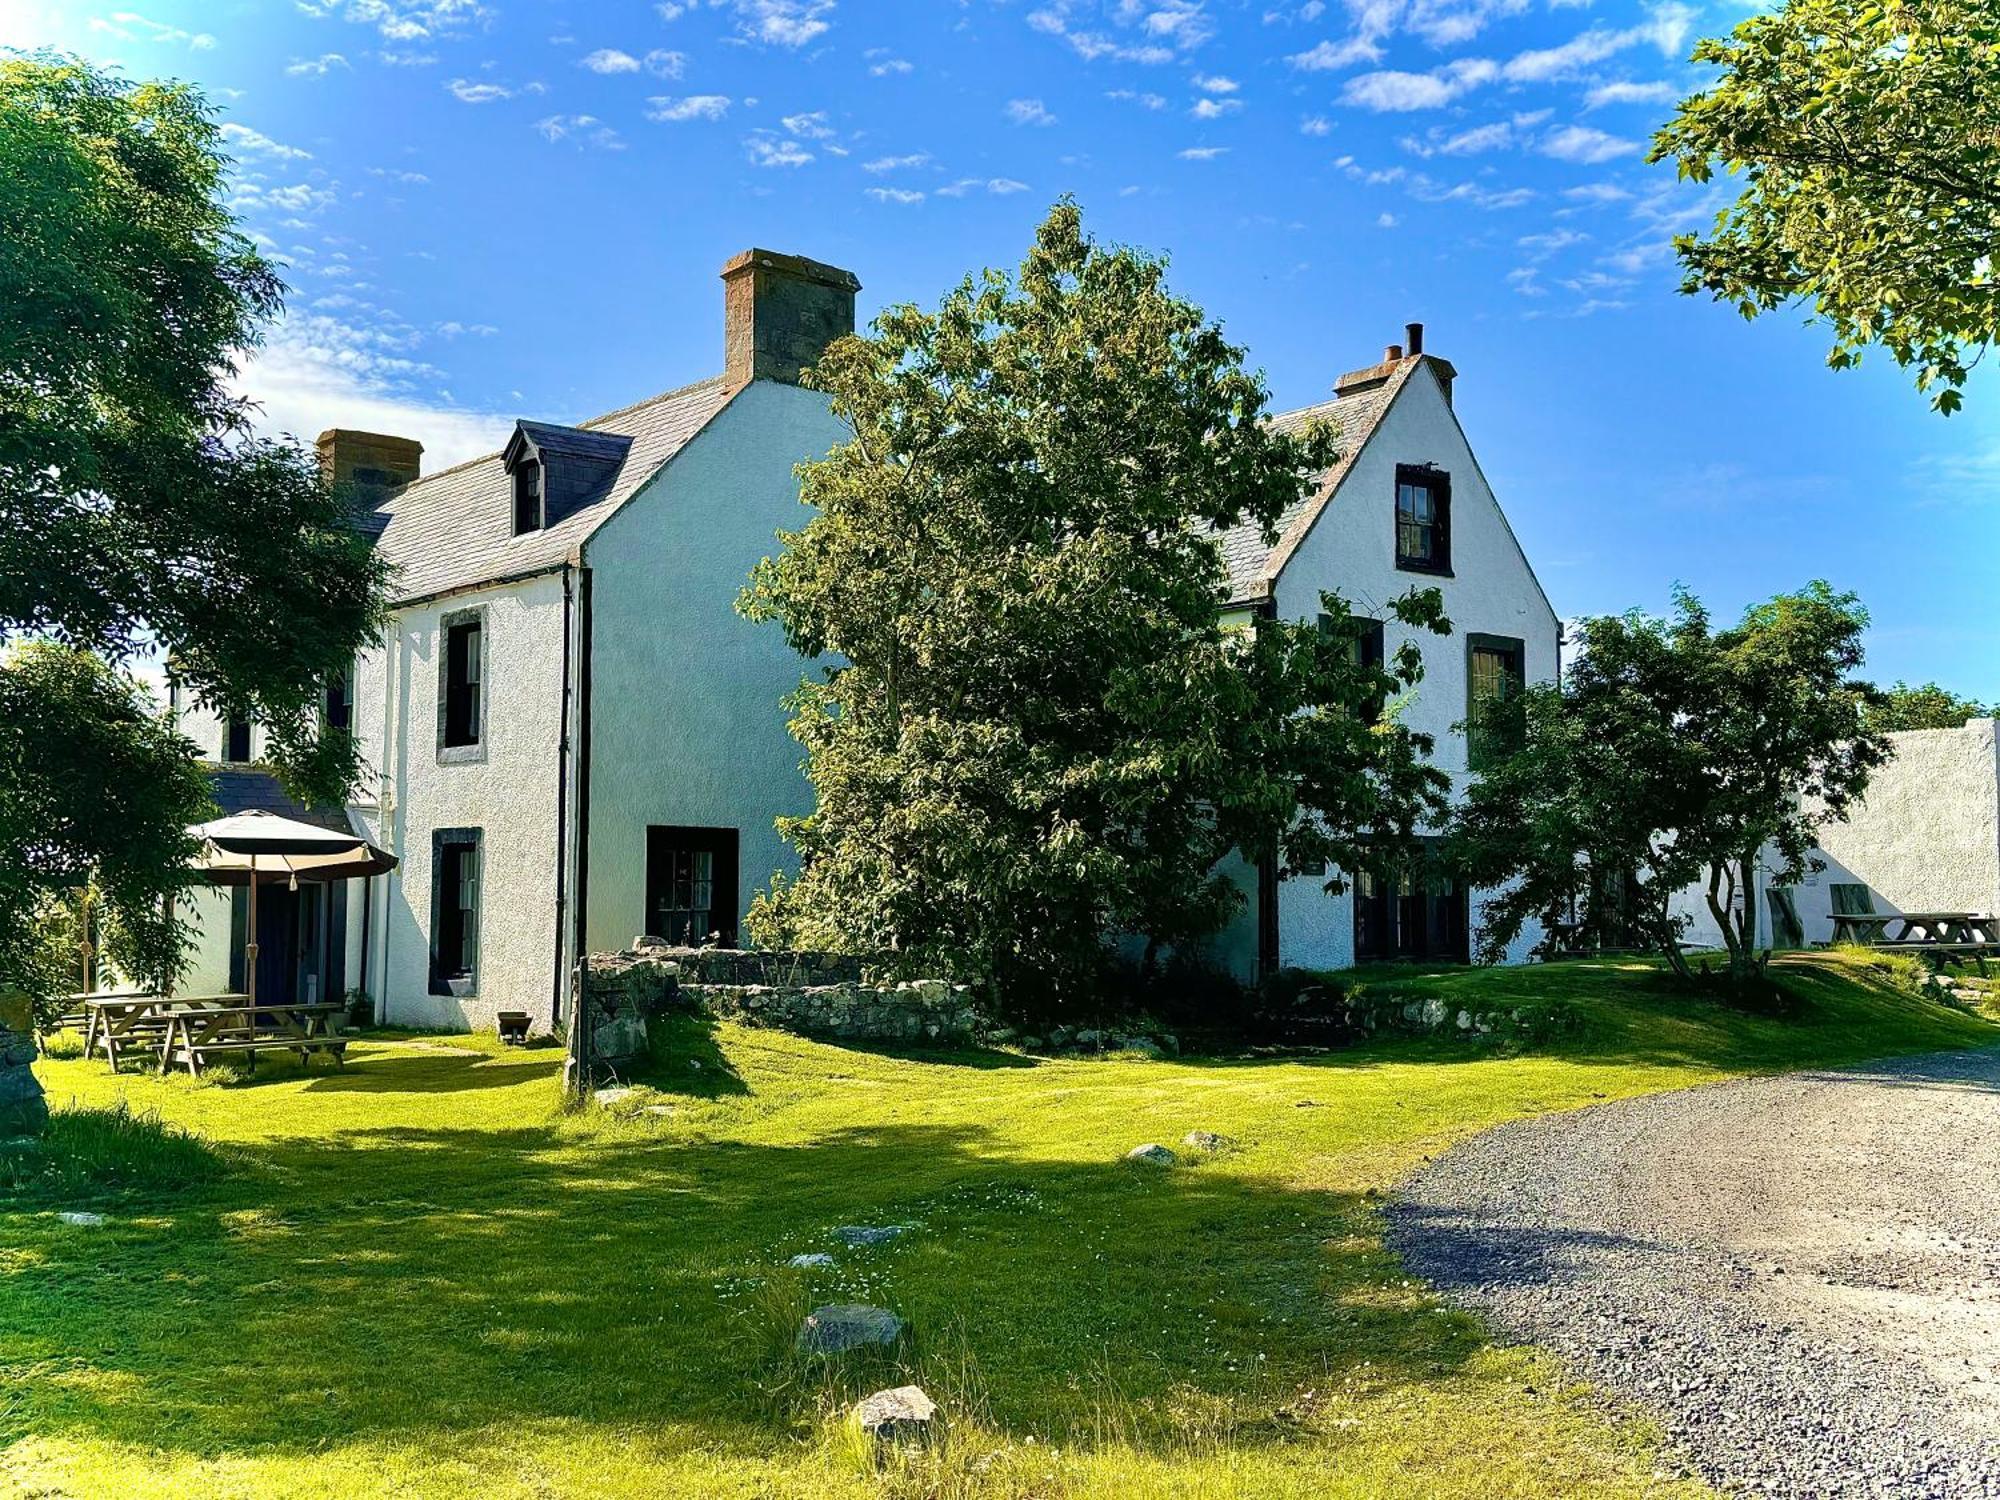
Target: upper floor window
1423,519
528,512
1364,645
1495,673
236,741
462,683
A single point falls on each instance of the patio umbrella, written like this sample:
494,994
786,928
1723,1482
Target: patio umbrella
253,848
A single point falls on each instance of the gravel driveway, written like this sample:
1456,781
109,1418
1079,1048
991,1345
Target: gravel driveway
1799,1276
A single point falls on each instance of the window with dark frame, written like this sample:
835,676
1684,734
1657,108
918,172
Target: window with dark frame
691,885
528,513
340,701
455,890
460,699
1422,914
236,741
1423,519
1495,672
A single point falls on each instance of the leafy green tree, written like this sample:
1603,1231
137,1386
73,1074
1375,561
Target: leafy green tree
136,510
1035,730
1926,707
1676,756
1864,133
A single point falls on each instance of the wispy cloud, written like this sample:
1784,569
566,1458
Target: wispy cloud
315,67
1141,31
998,186
402,20
580,130
895,195
1132,96
1202,153
467,92
660,62
666,109
897,163
782,23
1630,93
766,148
1029,112
811,125
1214,109
1580,143
881,65
244,141
130,26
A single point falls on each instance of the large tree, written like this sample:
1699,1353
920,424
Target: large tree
1926,706
1675,757
1863,132
1036,732
137,512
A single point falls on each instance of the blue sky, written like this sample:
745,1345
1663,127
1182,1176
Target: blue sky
501,208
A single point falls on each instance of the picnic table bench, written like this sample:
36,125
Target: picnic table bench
115,1023
196,1035
1918,929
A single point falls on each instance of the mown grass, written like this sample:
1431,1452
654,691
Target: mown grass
418,1276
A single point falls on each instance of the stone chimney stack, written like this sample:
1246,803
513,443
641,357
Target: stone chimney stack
780,312
373,463
1356,381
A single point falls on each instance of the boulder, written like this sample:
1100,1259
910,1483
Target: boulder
903,1412
1206,1140
612,1098
81,1219
838,1327
870,1234
811,1260
1151,1155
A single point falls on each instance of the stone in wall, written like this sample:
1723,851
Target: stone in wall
23,1110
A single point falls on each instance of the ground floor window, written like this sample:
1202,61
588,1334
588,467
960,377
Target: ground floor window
455,870
691,885
1421,914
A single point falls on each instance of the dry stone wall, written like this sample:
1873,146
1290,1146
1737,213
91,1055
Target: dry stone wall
816,995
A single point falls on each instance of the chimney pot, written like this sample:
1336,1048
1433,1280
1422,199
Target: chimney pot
1413,337
780,312
1391,354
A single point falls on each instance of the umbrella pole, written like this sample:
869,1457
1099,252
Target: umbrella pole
250,947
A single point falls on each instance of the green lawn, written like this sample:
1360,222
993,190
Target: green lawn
419,1277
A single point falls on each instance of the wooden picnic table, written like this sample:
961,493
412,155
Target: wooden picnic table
113,1023
196,1034
1954,928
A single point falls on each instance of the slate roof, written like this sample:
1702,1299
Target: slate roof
239,789
455,529
1252,563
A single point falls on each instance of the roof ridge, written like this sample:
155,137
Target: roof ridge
466,463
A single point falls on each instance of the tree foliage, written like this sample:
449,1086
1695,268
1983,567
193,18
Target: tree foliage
1675,756
1035,730
1924,707
1864,133
136,510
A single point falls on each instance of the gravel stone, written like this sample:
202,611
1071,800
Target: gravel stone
1799,1276
839,1327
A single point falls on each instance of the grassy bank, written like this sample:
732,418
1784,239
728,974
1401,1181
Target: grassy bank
418,1277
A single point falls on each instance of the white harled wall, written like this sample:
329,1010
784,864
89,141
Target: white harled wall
1493,591
686,725
510,796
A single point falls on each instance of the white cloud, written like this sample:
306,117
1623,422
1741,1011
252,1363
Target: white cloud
130,26
895,195
897,163
1541,246
1029,112
1202,153
583,130
782,23
313,374
315,67
1580,143
1329,57
407,59
889,65
767,148
392,174
401,20
1597,192
467,92
1315,125
1214,109
247,142
1215,84
609,60
1147,31
668,110
1394,92
1132,96
812,126
1386,221
999,186
1630,93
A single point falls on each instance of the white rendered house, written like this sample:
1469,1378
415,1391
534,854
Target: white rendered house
1406,505
574,738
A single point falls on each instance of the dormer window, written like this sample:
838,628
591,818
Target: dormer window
528,510
554,472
